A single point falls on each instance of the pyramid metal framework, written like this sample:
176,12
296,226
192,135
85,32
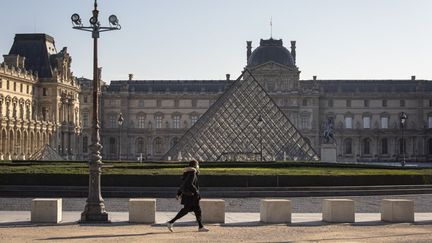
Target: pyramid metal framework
244,124
46,153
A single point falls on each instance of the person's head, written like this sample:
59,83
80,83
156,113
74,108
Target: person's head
194,163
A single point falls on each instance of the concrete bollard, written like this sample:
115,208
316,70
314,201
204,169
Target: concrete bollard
213,210
338,211
46,210
142,210
275,211
397,210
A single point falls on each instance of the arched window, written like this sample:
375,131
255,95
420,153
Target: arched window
85,144
366,146
384,146
140,147
158,145
348,146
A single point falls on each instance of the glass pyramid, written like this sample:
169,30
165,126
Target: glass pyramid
244,124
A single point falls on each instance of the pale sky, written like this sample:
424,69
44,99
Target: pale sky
205,39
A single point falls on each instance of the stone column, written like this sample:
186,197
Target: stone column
14,111
1,107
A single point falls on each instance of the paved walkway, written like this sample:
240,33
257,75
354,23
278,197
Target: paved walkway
239,227
241,223
363,204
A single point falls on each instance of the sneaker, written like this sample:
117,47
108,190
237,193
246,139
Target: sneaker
169,226
203,229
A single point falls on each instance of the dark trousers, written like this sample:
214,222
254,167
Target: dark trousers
185,210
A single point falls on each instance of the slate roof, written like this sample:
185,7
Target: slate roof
368,86
214,86
34,48
211,86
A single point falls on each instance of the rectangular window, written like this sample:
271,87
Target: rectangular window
14,89
402,103
85,119
305,102
85,144
21,88
176,123
366,122
430,122
384,146
348,122
7,85
330,103
28,89
304,120
85,98
384,122
158,122
430,103
348,103
384,103
44,92
112,121
141,121
366,103
141,103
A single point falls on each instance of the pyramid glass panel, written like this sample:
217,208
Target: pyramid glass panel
244,124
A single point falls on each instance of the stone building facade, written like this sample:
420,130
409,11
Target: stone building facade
38,99
42,103
365,113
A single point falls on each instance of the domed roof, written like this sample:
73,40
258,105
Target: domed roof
271,50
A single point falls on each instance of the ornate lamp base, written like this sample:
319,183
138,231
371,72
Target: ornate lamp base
94,216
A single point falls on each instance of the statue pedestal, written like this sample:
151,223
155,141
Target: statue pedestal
328,152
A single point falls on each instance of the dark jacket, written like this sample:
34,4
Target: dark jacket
189,189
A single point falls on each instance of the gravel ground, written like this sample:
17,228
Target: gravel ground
264,233
364,204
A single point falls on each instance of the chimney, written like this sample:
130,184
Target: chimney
413,77
293,50
130,76
228,76
314,77
249,50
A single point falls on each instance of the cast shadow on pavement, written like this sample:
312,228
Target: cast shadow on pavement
26,224
105,236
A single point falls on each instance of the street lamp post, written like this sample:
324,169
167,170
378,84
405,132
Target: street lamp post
120,122
95,207
403,118
260,125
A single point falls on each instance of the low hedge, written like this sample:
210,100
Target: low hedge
214,180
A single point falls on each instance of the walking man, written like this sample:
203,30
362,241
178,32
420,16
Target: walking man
190,197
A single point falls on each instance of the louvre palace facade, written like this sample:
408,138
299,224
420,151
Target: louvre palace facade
365,113
39,100
42,103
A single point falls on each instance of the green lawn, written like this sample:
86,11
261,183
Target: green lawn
228,168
